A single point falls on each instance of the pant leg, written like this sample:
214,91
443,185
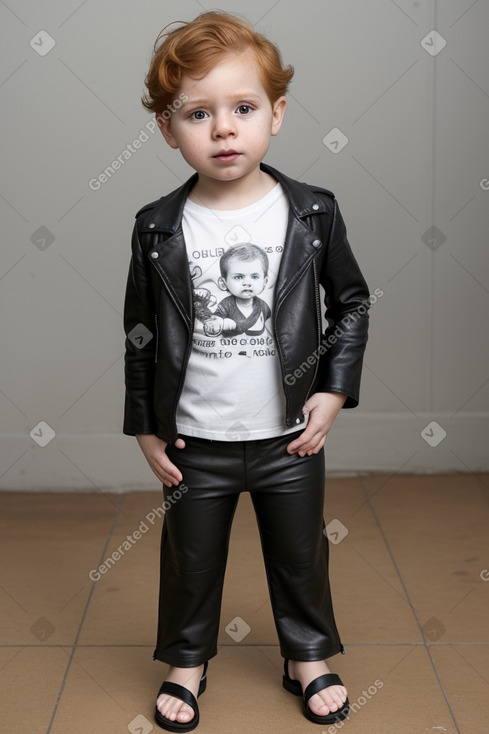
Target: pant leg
194,550
288,497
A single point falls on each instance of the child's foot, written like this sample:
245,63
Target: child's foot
173,708
327,701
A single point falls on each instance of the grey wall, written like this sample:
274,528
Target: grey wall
416,158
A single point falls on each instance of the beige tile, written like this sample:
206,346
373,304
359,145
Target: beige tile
106,688
464,674
436,527
30,680
369,601
50,540
408,697
123,608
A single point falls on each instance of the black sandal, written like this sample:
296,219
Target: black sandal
318,684
178,691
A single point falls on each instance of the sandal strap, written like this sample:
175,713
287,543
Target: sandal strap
318,684
178,691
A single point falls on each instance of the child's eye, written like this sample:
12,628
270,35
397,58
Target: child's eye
198,115
244,109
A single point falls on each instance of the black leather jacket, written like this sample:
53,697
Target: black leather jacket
159,319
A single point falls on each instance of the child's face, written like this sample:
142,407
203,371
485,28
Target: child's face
223,130
245,279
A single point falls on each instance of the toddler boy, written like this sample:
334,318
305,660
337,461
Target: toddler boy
226,425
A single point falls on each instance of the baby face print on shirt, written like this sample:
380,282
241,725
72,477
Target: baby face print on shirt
244,274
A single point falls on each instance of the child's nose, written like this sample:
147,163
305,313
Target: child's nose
224,126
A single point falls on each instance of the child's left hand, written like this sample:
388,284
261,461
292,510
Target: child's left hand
322,407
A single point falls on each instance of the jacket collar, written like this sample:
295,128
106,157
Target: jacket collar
166,215
303,199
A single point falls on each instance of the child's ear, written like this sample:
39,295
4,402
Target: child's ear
222,283
165,129
278,111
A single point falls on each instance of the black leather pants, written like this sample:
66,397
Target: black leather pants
287,494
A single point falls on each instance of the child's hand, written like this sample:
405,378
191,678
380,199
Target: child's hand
322,407
154,450
213,326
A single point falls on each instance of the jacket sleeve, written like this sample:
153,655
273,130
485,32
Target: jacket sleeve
347,302
140,328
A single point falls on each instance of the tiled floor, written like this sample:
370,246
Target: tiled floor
411,591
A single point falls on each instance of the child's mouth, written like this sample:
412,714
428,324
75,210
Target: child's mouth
227,155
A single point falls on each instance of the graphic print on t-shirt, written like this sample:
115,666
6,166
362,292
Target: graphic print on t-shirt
244,275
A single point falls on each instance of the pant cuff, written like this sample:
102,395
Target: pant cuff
311,655
183,662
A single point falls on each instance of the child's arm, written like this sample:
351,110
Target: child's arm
347,301
344,341
140,352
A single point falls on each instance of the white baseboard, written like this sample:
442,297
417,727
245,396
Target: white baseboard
359,443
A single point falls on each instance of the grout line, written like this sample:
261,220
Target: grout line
447,643
75,645
425,644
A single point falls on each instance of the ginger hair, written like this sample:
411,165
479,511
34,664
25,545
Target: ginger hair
194,48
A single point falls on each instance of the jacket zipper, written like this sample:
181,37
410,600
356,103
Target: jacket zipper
281,359
318,315
157,337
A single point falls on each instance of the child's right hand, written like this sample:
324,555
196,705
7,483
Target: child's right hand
154,449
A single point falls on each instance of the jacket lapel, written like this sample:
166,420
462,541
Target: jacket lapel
169,255
299,249
301,242
170,260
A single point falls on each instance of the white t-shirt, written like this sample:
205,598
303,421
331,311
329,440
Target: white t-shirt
233,386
